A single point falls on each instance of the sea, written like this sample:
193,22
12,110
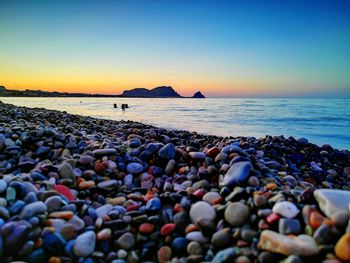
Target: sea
321,121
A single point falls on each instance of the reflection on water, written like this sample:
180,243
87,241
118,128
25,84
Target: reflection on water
319,120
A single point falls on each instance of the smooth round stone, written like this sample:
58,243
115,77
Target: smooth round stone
104,234
108,185
179,245
332,201
126,241
202,210
303,141
66,172
293,259
197,155
211,197
221,238
146,228
104,152
236,214
54,243
237,174
134,168
194,248
170,167
288,226
342,248
167,229
259,200
33,209
341,218
77,223
53,203
227,255
197,236
285,209
3,186
164,254
122,253
153,204
102,211
167,152
10,194
134,143
84,245
86,159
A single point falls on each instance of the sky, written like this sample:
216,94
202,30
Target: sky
222,48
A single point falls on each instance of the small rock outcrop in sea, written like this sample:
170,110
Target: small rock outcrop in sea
198,95
80,189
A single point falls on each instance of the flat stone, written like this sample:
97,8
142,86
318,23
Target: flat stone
225,256
285,209
194,248
197,155
33,209
331,201
197,236
236,214
288,226
211,197
202,210
102,211
134,168
302,245
103,152
237,174
84,245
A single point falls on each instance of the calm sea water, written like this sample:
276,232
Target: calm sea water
319,120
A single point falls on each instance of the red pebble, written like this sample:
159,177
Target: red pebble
212,152
167,229
199,193
178,208
64,190
146,228
273,218
133,207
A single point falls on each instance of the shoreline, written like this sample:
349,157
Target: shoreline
74,187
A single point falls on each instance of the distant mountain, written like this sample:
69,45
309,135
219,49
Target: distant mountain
39,93
158,92
198,95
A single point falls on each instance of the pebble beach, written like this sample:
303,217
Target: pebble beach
81,189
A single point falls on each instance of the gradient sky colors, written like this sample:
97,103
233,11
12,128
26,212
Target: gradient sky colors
223,48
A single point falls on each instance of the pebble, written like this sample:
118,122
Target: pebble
126,241
342,248
202,210
194,248
332,200
84,244
288,226
222,238
167,152
33,209
302,245
285,209
211,197
236,214
134,168
3,186
164,254
179,245
237,174
197,155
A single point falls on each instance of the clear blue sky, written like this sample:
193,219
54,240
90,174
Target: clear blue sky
223,48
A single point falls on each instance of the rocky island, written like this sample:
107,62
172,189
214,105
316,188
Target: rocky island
81,189
158,92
